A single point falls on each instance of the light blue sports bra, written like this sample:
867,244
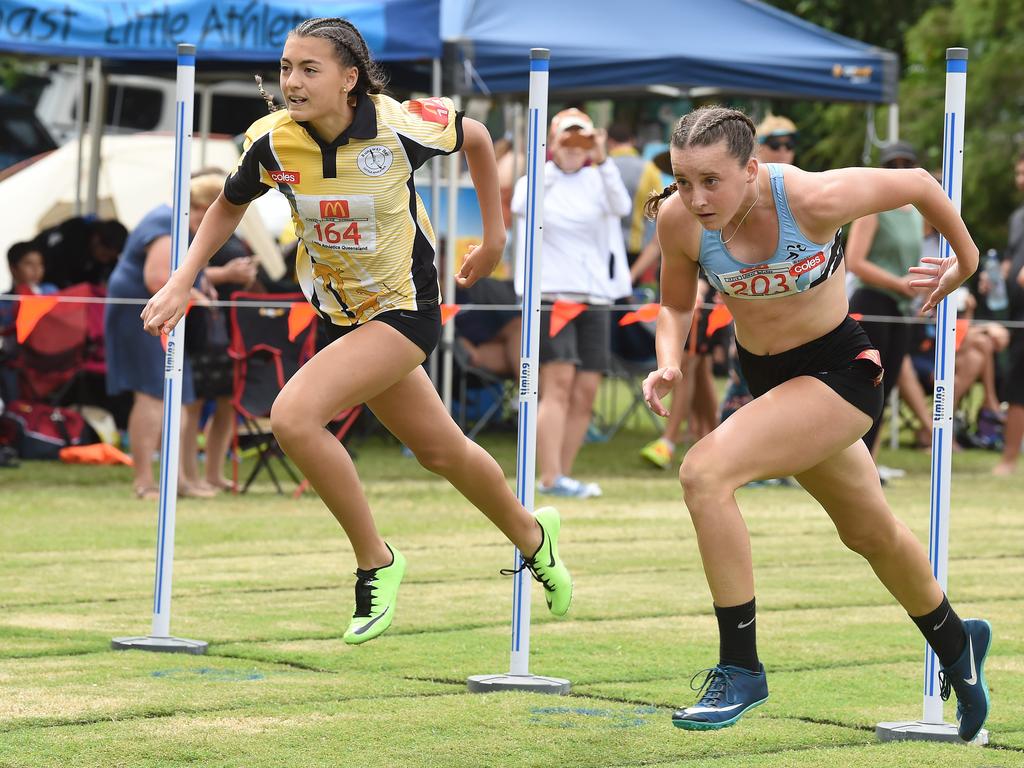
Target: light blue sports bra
797,265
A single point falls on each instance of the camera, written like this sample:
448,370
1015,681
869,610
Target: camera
577,138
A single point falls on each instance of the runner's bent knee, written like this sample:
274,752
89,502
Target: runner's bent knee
702,477
870,540
293,417
443,456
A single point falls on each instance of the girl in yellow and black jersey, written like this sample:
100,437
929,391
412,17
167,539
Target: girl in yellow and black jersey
343,153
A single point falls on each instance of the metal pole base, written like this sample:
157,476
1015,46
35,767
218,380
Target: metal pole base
534,683
159,644
919,731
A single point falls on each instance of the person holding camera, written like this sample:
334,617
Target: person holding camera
584,198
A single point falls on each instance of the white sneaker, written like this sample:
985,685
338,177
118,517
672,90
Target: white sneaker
890,473
567,486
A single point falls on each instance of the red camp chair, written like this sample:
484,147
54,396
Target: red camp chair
268,346
64,344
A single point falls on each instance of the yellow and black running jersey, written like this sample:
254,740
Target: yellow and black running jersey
365,242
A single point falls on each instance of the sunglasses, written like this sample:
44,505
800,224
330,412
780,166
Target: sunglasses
779,142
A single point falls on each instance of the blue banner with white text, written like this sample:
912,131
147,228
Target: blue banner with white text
223,30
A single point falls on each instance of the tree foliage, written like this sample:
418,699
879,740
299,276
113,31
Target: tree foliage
876,22
993,32
920,31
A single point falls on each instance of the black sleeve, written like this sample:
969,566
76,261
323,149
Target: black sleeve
245,184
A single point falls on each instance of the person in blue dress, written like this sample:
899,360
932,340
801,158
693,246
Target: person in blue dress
135,359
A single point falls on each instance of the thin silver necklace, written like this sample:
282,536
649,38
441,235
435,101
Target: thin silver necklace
756,198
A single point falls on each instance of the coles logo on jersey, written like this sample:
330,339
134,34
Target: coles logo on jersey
375,160
285,177
805,266
431,110
334,209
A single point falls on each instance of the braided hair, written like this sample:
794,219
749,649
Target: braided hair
704,127
271,106
350,48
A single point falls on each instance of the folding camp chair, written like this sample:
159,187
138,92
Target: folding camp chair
61,347
632,359
481,394
616,413
267,349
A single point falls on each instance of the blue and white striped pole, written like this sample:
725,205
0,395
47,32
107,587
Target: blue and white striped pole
529,367
932,726
945,351
519,677
160,639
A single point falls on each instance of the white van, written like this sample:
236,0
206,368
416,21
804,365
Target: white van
144,103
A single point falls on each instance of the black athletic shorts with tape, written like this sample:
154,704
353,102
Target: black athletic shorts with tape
843,359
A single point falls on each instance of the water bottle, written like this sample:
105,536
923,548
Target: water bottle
996,298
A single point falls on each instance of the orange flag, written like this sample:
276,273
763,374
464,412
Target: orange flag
31,310
719,318
645,314
97,453
448,311
300,316
562,312
961,332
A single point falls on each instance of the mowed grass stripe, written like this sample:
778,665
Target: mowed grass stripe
266,581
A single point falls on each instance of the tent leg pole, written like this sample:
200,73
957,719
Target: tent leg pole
80,134
205,120
97,113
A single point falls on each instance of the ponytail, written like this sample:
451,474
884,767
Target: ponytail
271,106
655,200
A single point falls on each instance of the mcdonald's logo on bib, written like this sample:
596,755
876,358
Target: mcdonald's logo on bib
334,209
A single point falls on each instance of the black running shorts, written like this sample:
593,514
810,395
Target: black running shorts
843,359
422,326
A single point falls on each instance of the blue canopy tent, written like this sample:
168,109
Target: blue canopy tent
737,46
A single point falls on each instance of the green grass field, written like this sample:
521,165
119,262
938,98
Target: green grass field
267,582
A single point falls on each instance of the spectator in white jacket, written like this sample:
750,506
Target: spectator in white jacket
584,198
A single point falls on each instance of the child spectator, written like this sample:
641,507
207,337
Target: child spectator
27,272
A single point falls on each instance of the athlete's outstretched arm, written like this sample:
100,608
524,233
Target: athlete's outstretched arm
167,306
483,169
849,193
678,295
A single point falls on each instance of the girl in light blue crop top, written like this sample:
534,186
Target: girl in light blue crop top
772,233
797,265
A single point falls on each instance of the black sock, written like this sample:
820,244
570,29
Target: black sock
737,644
944,632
